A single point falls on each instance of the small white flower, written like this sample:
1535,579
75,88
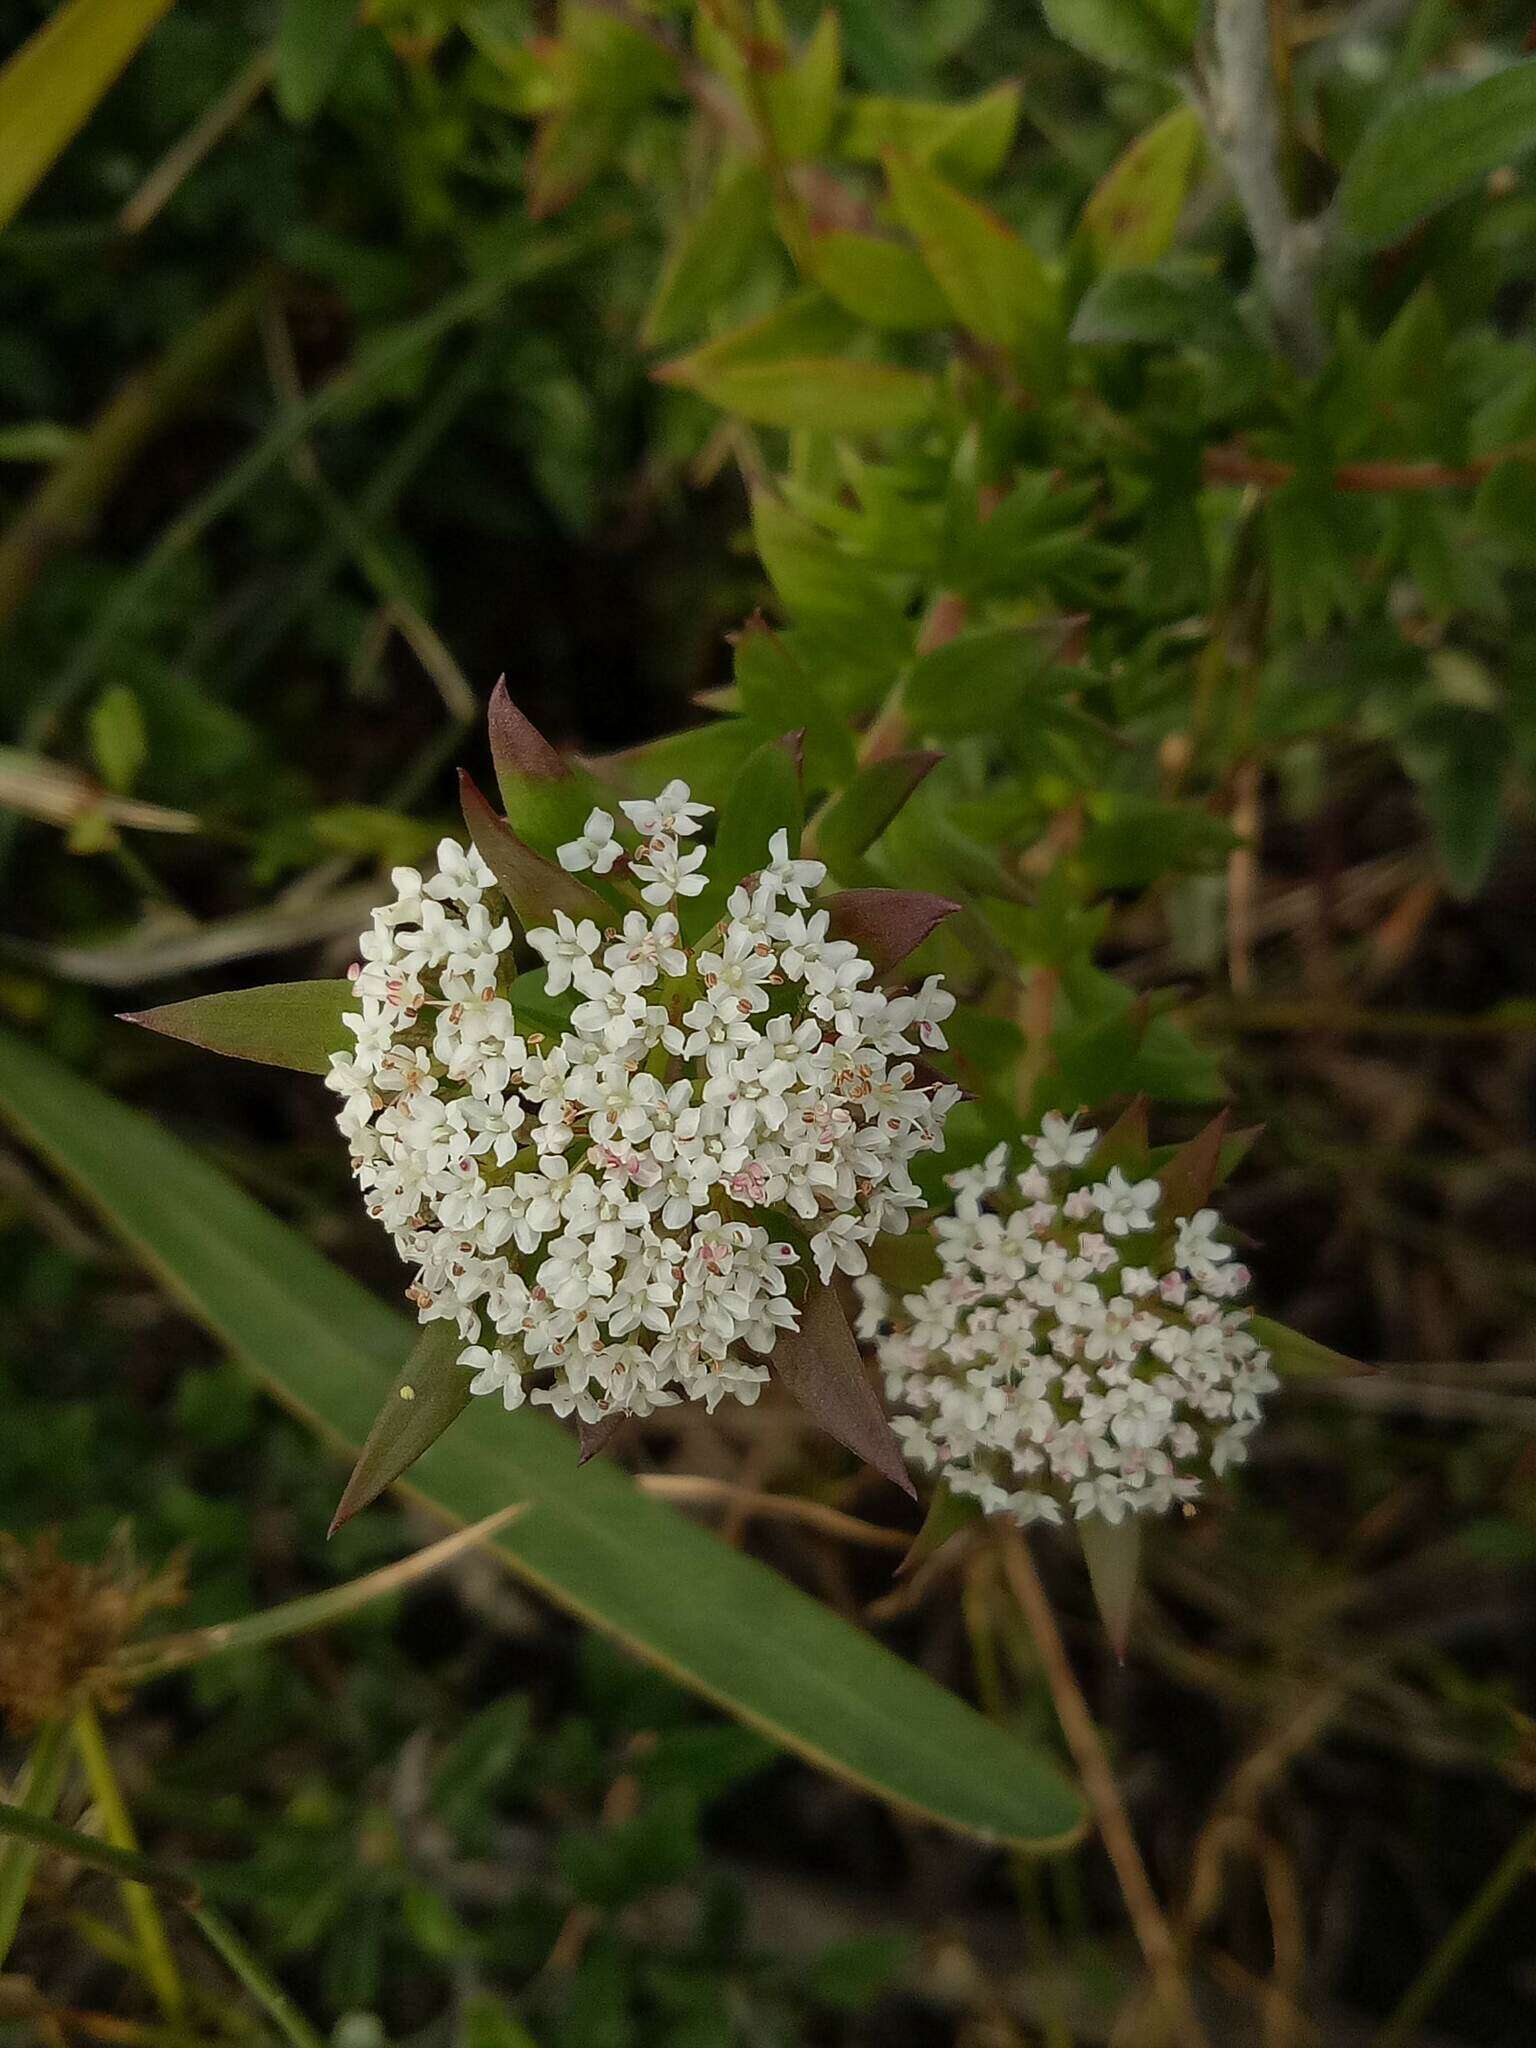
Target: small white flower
1061,1143
672,815
1124,1206
597,848
565,945
604,1231
1042,1376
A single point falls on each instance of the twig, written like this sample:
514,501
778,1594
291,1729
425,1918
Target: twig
1148,1922
1241,110
139,1902
1232,463
205,134
686,1486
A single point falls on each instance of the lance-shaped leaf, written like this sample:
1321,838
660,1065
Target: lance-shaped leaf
545,796
430,1391
1296,1357
992,279
948,1513
535,887
1124,1144
1133,212
1190,1175
857,815
764,799
293,1024
712,1618
819,1366
886,924
595,1437
1113,1554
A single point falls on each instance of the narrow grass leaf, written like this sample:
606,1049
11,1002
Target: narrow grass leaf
714,1620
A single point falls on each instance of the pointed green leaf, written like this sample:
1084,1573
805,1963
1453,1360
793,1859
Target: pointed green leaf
882,282
1113,1554
969,142
313,38
535,887
713,1619
818,1365
827,394
1133,212
1432,147
781,694
802,96
1296,1357
1148,36
293,1024
545,796
809,324
992,279
711,258
431,1390
857,815
765,798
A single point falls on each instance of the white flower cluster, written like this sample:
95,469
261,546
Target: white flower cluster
606,1211
1075,1353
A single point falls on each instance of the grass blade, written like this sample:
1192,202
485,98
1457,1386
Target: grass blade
715,1620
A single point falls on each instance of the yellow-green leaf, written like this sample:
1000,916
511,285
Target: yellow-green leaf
711,257
1133,212
969,142
992,278
802,96
293,1024
829,393
882,282
50,87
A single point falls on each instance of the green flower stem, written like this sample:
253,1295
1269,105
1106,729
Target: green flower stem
46,1769
138,1901
264,1990
1463,1936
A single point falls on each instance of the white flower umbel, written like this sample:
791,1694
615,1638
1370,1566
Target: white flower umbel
1079,1354
611,1212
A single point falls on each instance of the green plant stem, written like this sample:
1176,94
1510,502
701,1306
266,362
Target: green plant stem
138,1901
46,1769
1427,1988
264,1989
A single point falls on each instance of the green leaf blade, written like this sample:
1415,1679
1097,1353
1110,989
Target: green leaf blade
295,1024
741,1637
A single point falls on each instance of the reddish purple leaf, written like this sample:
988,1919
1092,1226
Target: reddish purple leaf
1124,1144
1191,1173
886,924
597,1436
517,746
535,887
819,1366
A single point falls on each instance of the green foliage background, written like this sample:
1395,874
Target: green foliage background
368,411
